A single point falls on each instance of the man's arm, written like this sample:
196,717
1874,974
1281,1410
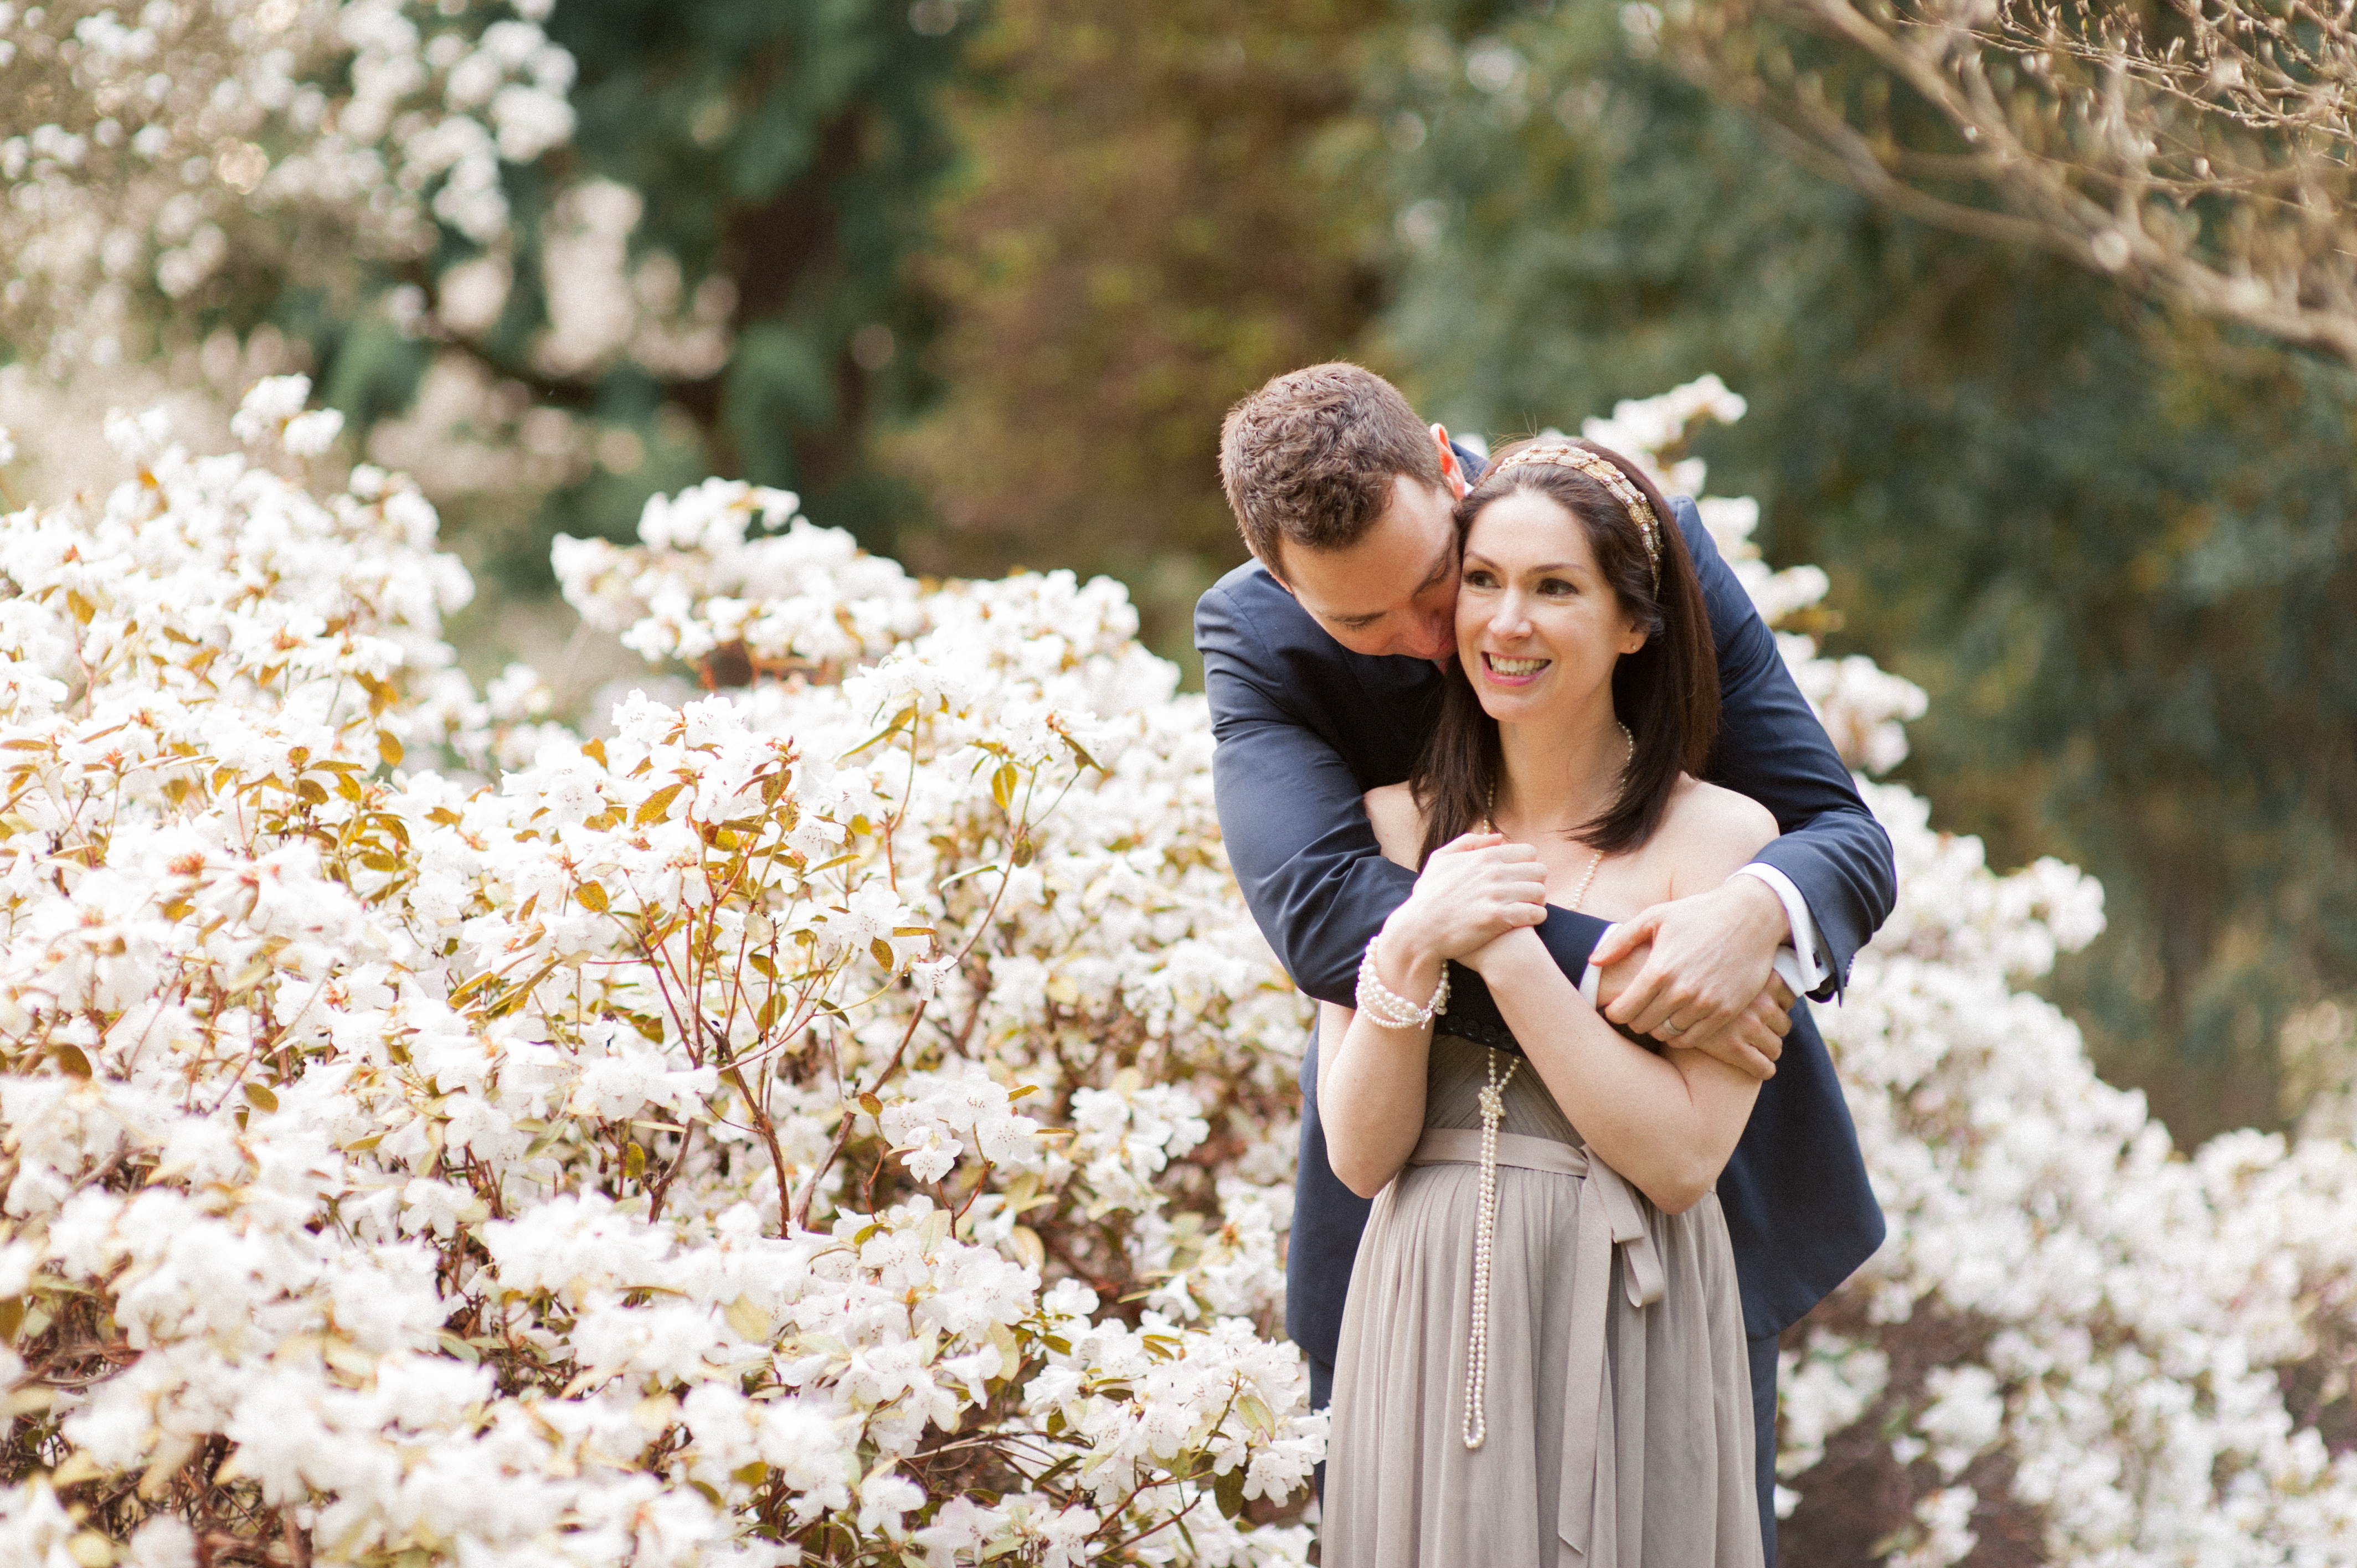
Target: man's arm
1711,952
1772,748
1291,812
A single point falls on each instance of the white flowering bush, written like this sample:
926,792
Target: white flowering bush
152,148
849,1121
849,1117
170,169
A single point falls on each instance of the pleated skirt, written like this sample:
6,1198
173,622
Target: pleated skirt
1661,1477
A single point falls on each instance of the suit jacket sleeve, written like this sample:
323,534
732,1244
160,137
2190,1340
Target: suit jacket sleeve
1772,748
1291,812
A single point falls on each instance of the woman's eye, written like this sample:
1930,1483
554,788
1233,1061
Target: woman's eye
1478,579
1556,586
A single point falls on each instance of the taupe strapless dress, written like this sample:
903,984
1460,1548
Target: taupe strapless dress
1618,1393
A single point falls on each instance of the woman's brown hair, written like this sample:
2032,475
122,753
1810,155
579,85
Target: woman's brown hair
1667,692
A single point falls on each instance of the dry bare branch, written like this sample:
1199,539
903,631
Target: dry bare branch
2203,152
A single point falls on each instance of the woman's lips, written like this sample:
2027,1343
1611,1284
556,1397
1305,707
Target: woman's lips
1504,672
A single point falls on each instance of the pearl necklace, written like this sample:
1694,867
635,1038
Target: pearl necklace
1493,1112
1485,1231
1580,893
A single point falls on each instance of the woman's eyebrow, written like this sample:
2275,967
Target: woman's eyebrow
1473,555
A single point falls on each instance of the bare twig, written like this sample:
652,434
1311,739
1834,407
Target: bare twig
2203,152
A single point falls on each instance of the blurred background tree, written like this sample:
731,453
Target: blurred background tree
1151,223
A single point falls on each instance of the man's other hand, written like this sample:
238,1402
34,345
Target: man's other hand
1706,960
1751,1042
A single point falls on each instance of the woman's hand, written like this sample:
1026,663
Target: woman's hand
1473,890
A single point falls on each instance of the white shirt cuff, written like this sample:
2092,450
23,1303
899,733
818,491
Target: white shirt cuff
1811,959
1591,978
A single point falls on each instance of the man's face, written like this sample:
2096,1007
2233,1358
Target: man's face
1395,592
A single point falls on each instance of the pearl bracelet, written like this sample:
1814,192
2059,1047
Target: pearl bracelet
1386,1007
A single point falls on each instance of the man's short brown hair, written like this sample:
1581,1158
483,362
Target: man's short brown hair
1310,459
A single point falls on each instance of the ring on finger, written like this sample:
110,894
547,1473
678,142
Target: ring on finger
1670,1031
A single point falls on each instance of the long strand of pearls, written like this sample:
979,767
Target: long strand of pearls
1485,1231
1493,1112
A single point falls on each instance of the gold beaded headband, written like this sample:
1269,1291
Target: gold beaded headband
1605,472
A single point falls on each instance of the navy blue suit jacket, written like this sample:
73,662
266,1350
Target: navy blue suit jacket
1305,727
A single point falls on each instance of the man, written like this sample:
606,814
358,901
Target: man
1319,657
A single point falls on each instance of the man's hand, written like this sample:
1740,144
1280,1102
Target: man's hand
1753,1042
1712,955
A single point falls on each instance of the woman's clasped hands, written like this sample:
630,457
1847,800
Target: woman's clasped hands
1473,890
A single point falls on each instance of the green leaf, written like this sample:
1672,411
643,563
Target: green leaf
260,1098
1229,1490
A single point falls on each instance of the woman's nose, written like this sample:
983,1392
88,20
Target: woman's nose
1511,619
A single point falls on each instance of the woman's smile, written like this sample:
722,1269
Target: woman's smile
1501,670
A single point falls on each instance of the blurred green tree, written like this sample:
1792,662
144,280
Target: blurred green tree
1152,223
2113,545
744,185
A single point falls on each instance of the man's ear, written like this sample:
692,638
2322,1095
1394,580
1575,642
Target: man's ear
1452,472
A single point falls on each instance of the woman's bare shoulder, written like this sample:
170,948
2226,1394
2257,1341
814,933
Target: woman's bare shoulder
1710,833
1398,822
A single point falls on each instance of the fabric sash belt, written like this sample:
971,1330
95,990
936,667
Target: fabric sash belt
1586,1517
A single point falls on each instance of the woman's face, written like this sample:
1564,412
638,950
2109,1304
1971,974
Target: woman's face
1538,628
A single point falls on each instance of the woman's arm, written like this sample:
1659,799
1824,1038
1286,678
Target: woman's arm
1371,1079
1667,1123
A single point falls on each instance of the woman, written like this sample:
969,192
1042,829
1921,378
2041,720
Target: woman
1538,1366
